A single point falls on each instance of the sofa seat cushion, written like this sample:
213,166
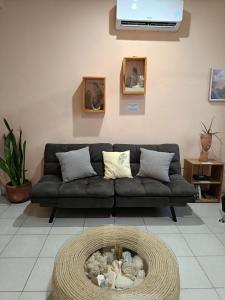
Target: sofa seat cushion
141,187
180,187
47,187
96,186
89,202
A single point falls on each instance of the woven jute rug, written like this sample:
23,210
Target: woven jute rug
70,282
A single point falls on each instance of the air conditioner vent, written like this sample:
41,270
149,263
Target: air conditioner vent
146,23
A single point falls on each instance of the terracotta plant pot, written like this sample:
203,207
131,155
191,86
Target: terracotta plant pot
17,194
206,142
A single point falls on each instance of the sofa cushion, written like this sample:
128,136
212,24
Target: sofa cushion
135,152
90,202
155,164
51,162
117,164
141,187
75,164
180,187
47,187
142,201
95,186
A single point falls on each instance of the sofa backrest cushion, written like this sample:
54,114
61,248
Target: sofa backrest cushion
51,162
135,153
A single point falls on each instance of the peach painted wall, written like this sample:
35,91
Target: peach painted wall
46,46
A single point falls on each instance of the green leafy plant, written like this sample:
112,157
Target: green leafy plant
13,163
208,130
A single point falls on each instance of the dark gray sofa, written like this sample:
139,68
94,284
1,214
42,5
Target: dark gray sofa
97,192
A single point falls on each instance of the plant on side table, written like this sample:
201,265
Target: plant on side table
13,165
206,140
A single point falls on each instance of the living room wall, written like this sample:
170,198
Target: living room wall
47,46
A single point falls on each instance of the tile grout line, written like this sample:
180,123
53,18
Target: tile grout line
223,242
211,234
214,289
208,226
196,258
4,211
198,288
38,257
47,235
14,234
187,244
218,294
182,234
143,220
84,222
3,249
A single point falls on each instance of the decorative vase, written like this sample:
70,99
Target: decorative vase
18,194
206,142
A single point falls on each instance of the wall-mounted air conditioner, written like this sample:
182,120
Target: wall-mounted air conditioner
149,14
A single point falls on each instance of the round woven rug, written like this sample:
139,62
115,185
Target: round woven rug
70,282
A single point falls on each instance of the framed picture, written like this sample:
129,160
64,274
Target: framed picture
217,85
134,75
93,94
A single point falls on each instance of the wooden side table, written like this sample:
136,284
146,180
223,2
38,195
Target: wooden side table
206,176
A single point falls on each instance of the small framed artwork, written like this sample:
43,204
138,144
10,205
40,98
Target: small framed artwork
217,85
93,94
134,75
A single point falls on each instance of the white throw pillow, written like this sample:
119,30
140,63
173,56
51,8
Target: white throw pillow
117,164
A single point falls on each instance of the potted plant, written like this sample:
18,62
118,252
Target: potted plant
13,165
206,140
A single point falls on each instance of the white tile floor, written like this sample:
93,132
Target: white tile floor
29,244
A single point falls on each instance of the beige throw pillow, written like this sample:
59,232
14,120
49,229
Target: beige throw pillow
117,164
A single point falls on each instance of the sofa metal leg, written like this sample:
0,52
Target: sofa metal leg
223,209
222,219
173,213
113,211
52,215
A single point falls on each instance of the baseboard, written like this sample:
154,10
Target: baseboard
2,191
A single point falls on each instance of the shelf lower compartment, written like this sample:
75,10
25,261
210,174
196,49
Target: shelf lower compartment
206,182
208,200
209,193
207,178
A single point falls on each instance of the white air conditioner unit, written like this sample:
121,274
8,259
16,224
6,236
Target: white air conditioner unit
149,14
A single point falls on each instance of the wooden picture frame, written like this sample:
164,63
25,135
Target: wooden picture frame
93,94
134,75
217,85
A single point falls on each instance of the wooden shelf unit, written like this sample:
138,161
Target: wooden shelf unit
134,70
214,169
93,97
